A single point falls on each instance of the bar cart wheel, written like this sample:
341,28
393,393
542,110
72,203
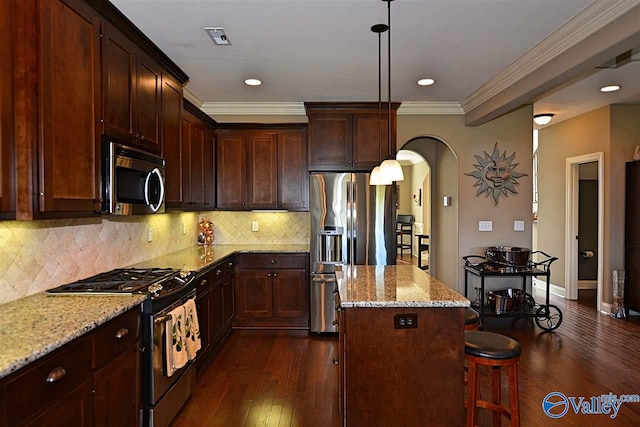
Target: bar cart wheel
548,317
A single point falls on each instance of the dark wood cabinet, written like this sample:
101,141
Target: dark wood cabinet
349,136
131,91
171,136
91,381
262,168
272,291
7,170
632,238
214,289
68,97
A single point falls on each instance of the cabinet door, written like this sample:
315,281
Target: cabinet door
147,103
204,309
69,94
290,296
171,123
7,171
119,83
293,175
228,305
117,390
231,168
193,132
217,313
369,141
209,170
73,409
254,294
263,170
330,142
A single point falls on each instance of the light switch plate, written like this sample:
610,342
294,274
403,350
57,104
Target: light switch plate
485,225
518,225
254,226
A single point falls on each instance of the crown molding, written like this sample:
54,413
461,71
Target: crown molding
593,18
297,108
191,97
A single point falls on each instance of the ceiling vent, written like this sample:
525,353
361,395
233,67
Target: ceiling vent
218,36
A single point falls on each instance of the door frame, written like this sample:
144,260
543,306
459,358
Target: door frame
572,177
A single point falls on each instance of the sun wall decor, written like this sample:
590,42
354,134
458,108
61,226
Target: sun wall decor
496,175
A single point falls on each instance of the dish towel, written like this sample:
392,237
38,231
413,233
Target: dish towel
176,352
192,329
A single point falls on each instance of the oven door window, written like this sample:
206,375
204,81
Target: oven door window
139,187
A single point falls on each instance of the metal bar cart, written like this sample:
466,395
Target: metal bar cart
546,316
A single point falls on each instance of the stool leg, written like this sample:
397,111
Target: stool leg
472,385
514,398
496,394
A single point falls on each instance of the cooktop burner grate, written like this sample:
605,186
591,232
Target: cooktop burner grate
120,280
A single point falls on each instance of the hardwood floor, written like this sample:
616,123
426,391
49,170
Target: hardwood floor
267,378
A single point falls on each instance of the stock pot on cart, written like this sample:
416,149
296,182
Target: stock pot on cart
508,261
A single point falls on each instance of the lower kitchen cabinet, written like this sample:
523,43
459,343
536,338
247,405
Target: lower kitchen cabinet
91,381
214,304
272,291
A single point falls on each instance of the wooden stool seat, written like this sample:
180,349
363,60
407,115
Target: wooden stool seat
471,318
497,351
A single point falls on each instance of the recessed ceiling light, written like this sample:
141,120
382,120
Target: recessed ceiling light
253,82
610,88
426,82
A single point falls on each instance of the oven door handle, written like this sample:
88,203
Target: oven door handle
162,319
155,171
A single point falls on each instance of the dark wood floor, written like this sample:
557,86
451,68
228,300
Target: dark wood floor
262,378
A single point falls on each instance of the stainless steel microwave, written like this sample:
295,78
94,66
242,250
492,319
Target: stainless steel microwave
132,180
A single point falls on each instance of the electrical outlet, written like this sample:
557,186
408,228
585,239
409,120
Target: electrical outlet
149,234
405,321
254,226
485,225
184,228
518,225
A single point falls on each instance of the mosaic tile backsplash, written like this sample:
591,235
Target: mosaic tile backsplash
40,255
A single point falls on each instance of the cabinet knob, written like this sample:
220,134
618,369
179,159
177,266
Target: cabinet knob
338,308
203,282
272,261
230,265
275,274
279,203
218,272
141,137
349,161
335,322
355,162
335,361
122,332
56,375
268,274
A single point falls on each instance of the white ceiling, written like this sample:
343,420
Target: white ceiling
324,50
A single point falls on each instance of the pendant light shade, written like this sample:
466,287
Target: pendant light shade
376,177
391,170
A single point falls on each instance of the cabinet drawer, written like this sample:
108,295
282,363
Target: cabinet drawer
272,260
116,336
40,384
223,269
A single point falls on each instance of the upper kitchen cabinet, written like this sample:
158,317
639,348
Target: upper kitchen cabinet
171,133
348,136
263,167
7,171
131,91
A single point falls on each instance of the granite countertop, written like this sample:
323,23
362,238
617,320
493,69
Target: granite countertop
34,326
394,286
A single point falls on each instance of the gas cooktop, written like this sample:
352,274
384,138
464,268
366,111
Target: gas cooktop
124,281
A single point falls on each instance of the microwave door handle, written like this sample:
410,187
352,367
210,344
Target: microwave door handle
146,190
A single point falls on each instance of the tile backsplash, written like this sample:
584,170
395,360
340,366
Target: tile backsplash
40,255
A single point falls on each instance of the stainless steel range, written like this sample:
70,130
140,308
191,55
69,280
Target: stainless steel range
162,395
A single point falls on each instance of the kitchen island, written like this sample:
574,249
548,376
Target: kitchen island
401,351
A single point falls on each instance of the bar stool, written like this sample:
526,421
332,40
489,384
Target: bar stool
497,351
471,318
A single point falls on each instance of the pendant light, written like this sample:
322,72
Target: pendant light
390,169
376,177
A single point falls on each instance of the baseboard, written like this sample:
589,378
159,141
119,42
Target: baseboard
587,284
541,285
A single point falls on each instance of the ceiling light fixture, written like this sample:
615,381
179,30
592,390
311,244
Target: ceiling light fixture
253,82
390,169
426,82
376,177
218,35
610,88
543,119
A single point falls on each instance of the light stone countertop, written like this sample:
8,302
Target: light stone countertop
34,326
394,286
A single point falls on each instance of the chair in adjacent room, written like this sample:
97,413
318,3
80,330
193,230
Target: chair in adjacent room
404,227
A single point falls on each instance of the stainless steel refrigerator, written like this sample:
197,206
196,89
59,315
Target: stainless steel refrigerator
352,222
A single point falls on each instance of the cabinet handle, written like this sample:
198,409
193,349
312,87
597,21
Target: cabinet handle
141,137
335,361
122,332
242,203
275,274
279,203
272,261
335,322
338,308
56,375
218,272
349,161
230,265
355,162
136,136
268,274
203,282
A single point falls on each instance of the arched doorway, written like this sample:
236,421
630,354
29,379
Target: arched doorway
441,221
